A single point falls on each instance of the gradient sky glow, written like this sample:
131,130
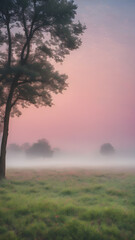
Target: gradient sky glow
99,104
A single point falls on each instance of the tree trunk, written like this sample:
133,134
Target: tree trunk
4,144
5,133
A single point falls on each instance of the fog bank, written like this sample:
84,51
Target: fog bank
90,161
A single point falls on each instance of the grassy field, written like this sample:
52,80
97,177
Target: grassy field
67,205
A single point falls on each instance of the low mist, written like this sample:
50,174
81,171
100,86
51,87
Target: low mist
41,155
68,160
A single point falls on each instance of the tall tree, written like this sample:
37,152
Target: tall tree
32,32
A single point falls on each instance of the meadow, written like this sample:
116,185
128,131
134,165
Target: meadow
67,205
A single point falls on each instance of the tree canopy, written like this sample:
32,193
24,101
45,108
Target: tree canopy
107,149
40,149
32,32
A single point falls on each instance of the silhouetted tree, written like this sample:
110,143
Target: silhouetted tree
40,149
107,149
31,33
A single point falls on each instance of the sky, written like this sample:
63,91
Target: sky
99,104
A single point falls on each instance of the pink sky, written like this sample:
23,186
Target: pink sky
99,104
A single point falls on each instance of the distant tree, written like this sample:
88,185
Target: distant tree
14,148
107,149
40,149
31,33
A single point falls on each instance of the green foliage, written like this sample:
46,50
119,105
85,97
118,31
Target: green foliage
38,209
32,33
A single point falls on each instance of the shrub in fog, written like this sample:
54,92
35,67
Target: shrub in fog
107,149
40,149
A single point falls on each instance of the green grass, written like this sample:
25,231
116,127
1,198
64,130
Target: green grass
70,205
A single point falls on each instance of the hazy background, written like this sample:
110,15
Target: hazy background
99,105
41,155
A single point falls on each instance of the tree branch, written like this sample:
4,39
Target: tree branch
15,101
25,26
9,40
28,36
